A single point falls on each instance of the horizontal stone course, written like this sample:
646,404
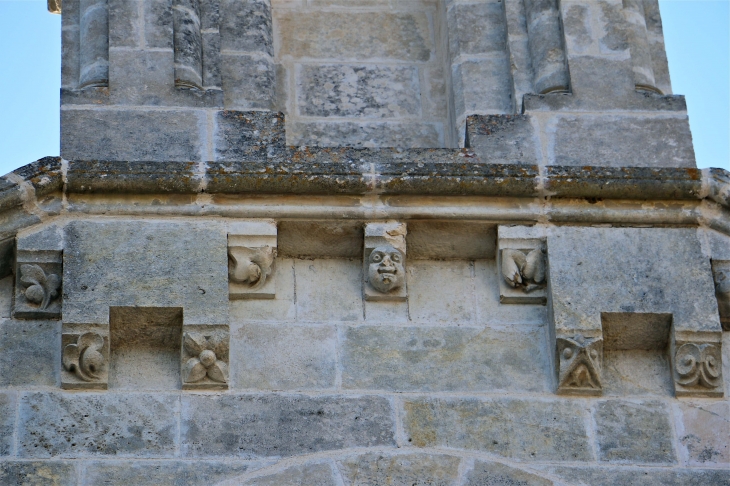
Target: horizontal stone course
524,429
159,473
87,425
257,426
405,469
38,473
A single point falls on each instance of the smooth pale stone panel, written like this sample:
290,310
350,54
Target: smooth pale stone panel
703,431
146,264
616,140
249,82
643,476
483,86
314,474
400,469
556,429
630,270
91,424
366,91
364,134
636,372
178,135
637,432
437,359
279,357
329,290
250,426
7,422
29,352
493,473
441,292
355,36
38,473
164,473
477,28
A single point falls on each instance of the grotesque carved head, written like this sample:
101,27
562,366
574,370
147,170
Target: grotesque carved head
385,269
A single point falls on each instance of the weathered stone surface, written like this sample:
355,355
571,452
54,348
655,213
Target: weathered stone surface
124,23
38,473
433,359
329,290
556,433
243,136
319,474
355,35
163,473
246,26
365,134
274,357
483,87
177,137
249,426
496,474
477,28
623,141
366,91
153,264
492,313
280,309
415,469
44,175
8,404
633,432
123,425
637,372
703,431
29,353
451,301
502,139
158,31
644,476
652,270
248,81
98,176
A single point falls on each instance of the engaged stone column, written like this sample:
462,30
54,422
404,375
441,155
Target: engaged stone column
94,44
188,44
640,48
546,46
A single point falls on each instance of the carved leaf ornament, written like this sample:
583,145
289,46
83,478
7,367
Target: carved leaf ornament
251,267
40,288
84,359
205,351
698,364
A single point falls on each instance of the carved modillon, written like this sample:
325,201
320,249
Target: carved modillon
547,52
697,369
38,283
579,365
205,358
85,357
188,42
252,249
94,43
384,261
524,270
522,265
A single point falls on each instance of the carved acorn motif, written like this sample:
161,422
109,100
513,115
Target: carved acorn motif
84,359
40,288
206,352
698,365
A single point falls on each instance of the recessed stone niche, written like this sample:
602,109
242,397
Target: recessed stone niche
145,347
635,354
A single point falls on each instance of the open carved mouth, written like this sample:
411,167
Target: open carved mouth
387,270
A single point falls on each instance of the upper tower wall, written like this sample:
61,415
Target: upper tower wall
152,79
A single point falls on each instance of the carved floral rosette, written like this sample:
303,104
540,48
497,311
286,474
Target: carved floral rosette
697,369
84,357
579,362
205,352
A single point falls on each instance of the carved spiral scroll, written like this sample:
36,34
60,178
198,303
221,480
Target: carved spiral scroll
698,365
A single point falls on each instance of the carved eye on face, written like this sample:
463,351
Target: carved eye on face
395,257
377,257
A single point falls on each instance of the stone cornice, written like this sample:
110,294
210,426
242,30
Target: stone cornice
430,184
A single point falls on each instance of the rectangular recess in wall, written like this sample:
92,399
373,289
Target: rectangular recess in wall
145,348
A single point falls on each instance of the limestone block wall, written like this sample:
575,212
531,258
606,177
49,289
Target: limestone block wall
323,385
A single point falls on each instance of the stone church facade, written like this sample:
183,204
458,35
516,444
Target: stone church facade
365,242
